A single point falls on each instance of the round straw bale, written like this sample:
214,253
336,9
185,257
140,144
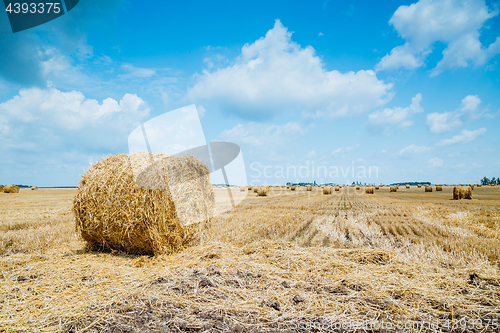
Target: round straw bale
142,203
263,192
11,189
492,184
439,188
357,187
1,189
249,188
34,188
428,189
479,185
407,186
419,186
369,190
393,189
292,188
256,189
377,187
309,188
337,189
462,192
327,190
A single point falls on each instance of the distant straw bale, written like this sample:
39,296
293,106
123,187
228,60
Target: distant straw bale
1,189
377,187
393,189
337,189
11,189
327,190
419,186
34,188
292,188
250,188
479,185
462,192
428,189
143,203
439,188
309,187
407,186
256,189
492,184
369,190
357,187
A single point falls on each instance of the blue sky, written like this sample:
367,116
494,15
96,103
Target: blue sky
411,89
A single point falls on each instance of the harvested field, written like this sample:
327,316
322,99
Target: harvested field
290,260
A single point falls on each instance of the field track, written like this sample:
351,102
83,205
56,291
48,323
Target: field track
287,261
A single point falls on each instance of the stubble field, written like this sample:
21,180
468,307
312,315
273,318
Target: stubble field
298,261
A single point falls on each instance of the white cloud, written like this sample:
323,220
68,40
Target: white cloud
436,162
443,122
46,116
262,134
396,116
464,137
275,74
137,72
312,154
453,22
343,150
413,150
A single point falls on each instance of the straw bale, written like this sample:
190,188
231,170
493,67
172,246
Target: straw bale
492,184
357,187
369,190
407,186
337,189
462,192
1,189
393,189
428,189
327,190
263,192
11,189
292,188
309,188
34,188
256,189
377,187
439,188
250,188
142,203
479,185
419,186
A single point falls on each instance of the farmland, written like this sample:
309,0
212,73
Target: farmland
290,260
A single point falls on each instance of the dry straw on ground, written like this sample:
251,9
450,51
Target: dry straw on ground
142,203
393,189
462,192
369,190
11,189
428,189
327,190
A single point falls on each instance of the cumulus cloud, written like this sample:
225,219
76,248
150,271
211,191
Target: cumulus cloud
413,150
436,162
262,134
453,22
464,137
397,116
311,154
443,122
275,74
340,151
44,117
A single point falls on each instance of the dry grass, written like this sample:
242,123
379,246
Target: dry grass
274,262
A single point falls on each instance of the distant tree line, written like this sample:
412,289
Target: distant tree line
487,181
